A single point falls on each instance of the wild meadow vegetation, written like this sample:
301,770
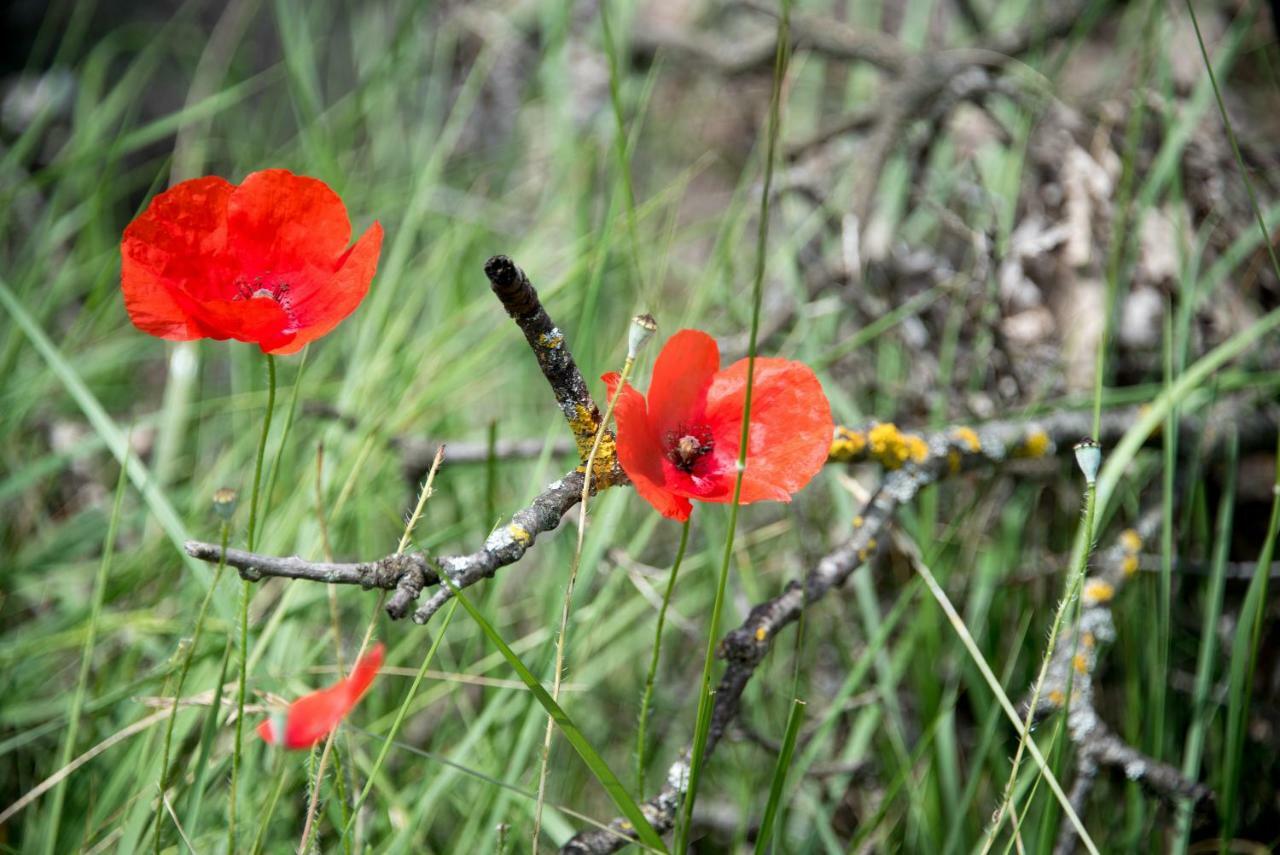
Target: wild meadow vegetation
992,228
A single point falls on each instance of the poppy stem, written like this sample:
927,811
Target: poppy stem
244,605
651,676
705,701
187,657
1074,585
262,450
587,465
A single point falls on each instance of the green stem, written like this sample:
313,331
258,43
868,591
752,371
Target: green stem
244,604
703,725
647,697
187,659
1073,589
262,450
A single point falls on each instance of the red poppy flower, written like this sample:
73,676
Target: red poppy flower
682,443
265,262
310,718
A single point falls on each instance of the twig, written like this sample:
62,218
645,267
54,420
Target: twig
951,450
548,343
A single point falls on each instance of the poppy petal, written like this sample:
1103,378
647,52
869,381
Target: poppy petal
681,375
790,425
318,308
179,243
311,717
640,452
259,320
279,222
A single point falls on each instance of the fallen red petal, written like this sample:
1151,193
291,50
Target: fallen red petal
310,718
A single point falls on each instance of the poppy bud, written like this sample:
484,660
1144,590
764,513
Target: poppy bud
224,502
642,329
1089,457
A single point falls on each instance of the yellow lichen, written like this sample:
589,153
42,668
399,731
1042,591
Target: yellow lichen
519,534
1080,662
1097,591
1056,697
847,445
1088,640
552,339
761,633
969,437
893,448
1129,565
583,424
858,521
1130,540
1035,444
602,467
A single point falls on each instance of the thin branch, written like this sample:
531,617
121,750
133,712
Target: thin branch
547,341
941,453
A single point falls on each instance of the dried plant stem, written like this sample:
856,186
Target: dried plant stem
556,678
244,605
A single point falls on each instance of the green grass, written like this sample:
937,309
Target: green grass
618,189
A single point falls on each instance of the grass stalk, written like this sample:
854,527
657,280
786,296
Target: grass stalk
764,838
86,660
245,586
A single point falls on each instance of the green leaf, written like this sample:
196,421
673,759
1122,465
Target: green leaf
594,761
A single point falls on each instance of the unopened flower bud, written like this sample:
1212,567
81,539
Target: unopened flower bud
642,329
1089,457
224,502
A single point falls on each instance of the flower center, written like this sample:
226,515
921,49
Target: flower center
250,288
686,445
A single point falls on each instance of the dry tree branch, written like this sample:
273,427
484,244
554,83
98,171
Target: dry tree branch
994,443
519,298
